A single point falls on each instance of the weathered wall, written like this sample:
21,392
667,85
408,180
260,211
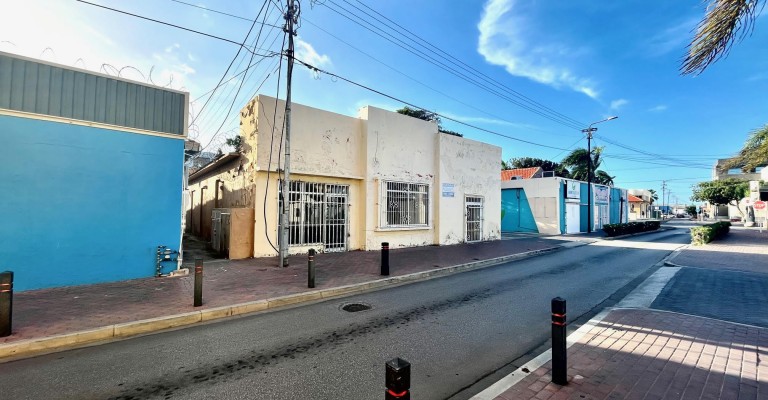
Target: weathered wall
322,142
86,205
235,190
543,196
473,169
402,149
266,214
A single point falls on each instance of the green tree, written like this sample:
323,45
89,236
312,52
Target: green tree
691,210
505,165
754,153
546,165
427,116
721,192
654,195
236,142
724,22
577,162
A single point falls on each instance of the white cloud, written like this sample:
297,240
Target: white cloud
658,108
502,42
673,38
484,120
305,52
616,104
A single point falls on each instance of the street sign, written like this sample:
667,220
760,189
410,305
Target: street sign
759,205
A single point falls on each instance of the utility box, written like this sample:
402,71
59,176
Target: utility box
232,232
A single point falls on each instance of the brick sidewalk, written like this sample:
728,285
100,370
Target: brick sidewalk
647,354
742,249
48,312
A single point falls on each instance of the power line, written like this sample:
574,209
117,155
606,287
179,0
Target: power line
445,67
316,69
172,25
220,12
466,66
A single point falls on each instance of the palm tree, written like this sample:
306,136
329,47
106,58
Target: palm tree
654,195
724,21
602,178
577,162
754,153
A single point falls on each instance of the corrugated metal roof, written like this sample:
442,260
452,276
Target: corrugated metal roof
56,90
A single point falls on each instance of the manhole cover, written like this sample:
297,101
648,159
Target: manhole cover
355,307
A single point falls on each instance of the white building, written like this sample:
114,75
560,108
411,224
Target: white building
356,181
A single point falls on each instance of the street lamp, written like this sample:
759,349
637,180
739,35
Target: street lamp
589,132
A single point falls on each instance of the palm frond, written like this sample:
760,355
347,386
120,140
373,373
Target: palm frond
725,21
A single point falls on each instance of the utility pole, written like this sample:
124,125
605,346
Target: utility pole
291,16
663,188
589,131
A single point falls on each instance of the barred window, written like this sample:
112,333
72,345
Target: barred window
405,204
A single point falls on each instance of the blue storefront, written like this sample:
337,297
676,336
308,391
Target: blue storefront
92,175
555,205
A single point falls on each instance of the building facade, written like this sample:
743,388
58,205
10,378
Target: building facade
94,164
557,205
359,181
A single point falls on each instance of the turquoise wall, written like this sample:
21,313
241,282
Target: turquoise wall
516,213
85,205
584,207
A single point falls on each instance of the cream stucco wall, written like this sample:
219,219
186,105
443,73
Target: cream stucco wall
543,195
364,152
322,142
402,149
473,169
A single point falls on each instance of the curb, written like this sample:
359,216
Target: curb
519,374
51,344
661,229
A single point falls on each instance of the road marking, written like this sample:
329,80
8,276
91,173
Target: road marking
646,293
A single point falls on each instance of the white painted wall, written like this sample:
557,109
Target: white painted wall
473,168
543,196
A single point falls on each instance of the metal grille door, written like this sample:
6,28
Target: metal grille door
317,214
474,218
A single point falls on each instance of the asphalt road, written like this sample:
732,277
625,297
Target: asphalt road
454,330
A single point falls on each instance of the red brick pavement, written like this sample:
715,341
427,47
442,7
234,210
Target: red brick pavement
647,354
48,312
750,245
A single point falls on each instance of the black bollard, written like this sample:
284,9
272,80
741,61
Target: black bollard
311,268
559,355
198,282
6,302
398,380
385,258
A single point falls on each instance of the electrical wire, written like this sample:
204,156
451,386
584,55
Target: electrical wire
169,24
443,116
429,46
442,65
231,62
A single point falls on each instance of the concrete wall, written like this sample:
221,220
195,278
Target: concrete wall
543,196
402,149
235,190
472,168
85,204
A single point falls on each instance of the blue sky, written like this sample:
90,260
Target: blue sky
579,60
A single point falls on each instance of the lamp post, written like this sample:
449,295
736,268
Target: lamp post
589,132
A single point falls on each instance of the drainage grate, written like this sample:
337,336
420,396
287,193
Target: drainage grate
355,307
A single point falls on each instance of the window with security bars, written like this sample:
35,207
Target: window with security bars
317,214
405,204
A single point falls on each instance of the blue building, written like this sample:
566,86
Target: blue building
556,206
91,174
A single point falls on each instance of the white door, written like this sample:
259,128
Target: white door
474,218
572,218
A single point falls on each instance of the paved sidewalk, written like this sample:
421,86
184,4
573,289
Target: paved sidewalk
50,313
648,354
641,353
